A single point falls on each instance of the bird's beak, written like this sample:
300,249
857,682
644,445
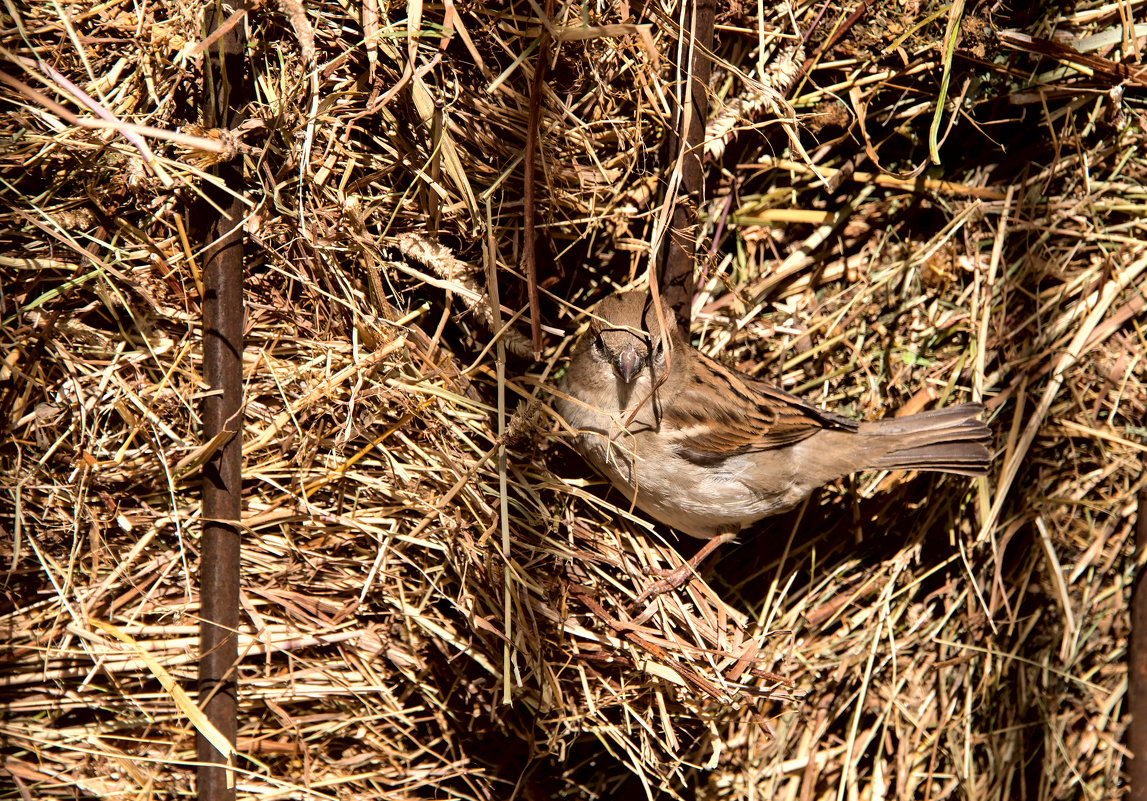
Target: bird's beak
628,364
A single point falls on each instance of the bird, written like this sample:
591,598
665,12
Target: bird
708,450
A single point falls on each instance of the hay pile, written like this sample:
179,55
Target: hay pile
900,637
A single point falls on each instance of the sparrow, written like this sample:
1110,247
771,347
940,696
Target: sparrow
708,450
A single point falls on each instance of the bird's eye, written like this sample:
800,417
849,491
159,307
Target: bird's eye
659,348
598,343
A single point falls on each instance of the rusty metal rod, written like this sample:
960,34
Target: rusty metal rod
1137,661
224,98
676,276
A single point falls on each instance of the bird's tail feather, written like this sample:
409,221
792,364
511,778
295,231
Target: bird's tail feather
951,440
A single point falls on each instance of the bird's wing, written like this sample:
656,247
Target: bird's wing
719,413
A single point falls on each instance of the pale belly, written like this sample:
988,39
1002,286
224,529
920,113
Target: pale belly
700,500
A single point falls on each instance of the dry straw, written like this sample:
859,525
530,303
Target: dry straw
434,609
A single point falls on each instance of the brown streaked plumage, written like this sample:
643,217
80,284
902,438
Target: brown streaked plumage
708,450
